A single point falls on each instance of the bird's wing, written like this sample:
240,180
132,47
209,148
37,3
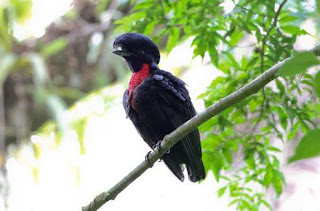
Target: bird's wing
175,99
126,102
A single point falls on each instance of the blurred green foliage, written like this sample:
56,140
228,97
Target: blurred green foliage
11,13
279,112
308,146
41,77
299,64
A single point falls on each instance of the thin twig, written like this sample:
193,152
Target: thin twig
262,54
253,12
273,25
171,139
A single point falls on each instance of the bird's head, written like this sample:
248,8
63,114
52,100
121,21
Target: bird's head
136,49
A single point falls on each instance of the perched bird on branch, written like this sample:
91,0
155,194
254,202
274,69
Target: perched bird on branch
157,103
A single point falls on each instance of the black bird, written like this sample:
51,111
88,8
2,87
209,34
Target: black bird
157,103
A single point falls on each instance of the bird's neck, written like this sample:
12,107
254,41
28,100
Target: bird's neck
138,77
134,63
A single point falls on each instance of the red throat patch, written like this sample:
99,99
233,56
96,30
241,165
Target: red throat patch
137,78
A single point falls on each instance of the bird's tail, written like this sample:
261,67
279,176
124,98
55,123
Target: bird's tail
175,167
196,170
193,160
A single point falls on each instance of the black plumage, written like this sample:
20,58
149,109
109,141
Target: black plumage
157,103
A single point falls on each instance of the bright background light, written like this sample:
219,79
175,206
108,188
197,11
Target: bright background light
43,13
63,179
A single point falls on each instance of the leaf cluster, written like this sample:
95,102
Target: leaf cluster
248,130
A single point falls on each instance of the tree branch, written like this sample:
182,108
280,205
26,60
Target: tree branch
172,138
262,55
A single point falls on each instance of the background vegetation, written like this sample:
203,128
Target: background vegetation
41,77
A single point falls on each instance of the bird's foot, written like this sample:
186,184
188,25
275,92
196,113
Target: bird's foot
158,147
147,159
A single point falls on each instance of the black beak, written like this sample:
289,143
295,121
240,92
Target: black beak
120,51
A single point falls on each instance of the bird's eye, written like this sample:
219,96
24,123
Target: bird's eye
141,52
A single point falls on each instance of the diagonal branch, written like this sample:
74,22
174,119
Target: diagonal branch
172,138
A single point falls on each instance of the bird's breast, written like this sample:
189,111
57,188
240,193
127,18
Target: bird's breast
136,79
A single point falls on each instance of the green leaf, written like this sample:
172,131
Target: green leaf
268,176
318,6
221,191
251,161
294,30
213,54
274,149
298,64
233,202
317,83
132,18
287,19
227,155
280,86
143,5
235,37
308,147
149,28
54,47
173,39
277,182
200,46
213,160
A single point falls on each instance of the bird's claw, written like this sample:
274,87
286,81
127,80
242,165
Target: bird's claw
147,159
157,146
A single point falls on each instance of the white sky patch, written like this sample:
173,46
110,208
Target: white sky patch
228,6
308,41
43,12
